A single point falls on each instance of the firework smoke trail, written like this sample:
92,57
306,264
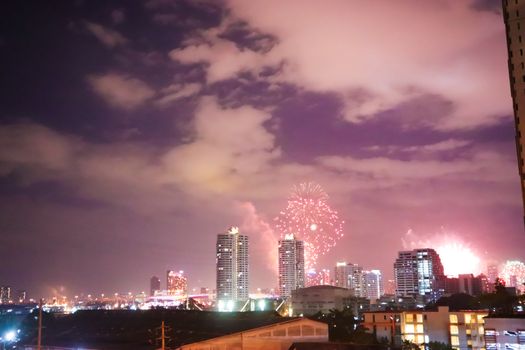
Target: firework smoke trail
309,217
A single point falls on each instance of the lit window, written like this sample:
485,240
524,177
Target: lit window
453,318
420,339
409,328
409,318
409,337
454,329
419,318
467,318
419,328
454,340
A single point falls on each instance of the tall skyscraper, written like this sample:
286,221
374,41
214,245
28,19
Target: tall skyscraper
356,280
373,284
419,273
514,15
176,283
291,265
232,269
154,285
492,272
341,274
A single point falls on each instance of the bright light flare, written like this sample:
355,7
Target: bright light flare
458,259
10,336
456,256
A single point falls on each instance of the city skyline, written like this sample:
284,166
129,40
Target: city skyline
131,133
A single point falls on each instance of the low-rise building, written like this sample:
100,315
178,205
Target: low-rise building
459,329
505,332
311,300
276,336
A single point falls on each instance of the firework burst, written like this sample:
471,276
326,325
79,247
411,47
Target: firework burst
513,272
309,217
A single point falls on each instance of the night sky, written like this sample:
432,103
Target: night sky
133,132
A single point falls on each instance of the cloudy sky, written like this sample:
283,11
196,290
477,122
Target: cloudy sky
131,133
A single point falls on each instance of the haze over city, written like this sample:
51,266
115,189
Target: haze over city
132,133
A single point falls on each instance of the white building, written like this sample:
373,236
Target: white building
419,273
232,269
505,332
373,284
310,300
291,265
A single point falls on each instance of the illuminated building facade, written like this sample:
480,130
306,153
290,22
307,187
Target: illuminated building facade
492,272
176,283
419,274
341,274
373,284
514,15
232,269
5,294
291,265
154,285
459,329
505,332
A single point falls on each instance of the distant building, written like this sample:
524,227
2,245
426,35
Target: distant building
310,300
5,294
419,274
318,278
21,296
176,283
459,329
356,280
467,284
514,15
492,273
341,274
232,269
154,284
291,265
390,287
373,284
275,336
505,332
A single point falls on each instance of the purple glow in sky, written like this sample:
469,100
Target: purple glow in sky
132,133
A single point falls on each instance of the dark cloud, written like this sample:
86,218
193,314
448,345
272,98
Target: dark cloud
493,6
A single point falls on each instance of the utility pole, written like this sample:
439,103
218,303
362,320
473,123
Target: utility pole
39,346
162,336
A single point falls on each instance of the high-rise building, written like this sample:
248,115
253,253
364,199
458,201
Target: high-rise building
373,284
356,280
176,283
232,269
419,273
492,272
341,274
154,285
5,294
514,15
291,265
